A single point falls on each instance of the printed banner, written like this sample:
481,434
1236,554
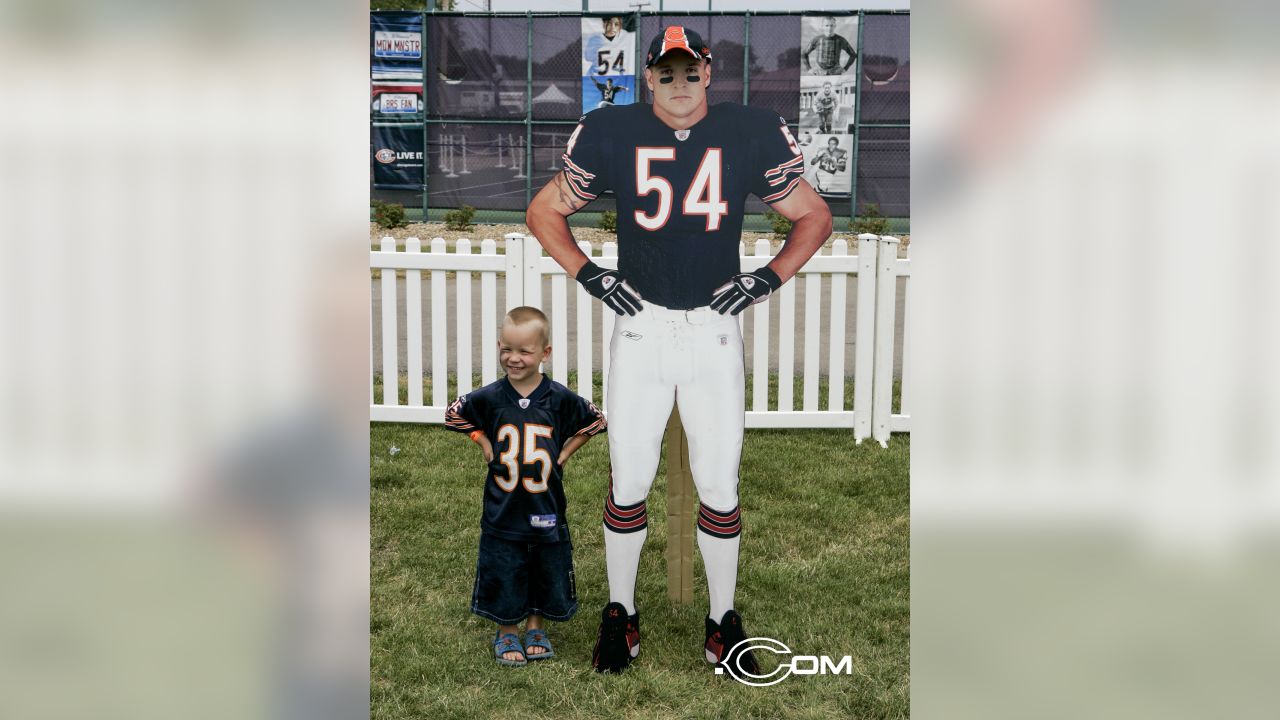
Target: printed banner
400,98
599,92
396,154
391,44
608,61
828,93
395,64
827,162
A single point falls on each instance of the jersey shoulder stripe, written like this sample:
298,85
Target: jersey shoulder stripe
576,185
578,178
782,174
573,166
784,167
783,192
786,176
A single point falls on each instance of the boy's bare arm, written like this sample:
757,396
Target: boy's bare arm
479,438
571,447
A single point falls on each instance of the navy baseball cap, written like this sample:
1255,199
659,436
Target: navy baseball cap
677,37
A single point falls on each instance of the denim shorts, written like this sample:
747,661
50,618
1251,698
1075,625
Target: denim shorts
516,579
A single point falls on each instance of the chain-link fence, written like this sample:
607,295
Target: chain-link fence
499,94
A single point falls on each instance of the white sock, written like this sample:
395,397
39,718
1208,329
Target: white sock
719,534
625,529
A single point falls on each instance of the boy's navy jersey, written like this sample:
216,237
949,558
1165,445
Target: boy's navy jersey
524,492
681,194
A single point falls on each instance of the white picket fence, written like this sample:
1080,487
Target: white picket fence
522,267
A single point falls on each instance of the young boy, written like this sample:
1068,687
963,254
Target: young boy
527,426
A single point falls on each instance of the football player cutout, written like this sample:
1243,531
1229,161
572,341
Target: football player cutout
681,172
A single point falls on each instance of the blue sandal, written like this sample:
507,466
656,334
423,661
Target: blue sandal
537,638
505,643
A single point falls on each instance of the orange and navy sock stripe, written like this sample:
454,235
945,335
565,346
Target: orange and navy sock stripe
720,524
625,518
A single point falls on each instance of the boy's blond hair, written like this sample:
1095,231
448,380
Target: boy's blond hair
525,314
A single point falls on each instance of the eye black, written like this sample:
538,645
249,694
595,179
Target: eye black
666,79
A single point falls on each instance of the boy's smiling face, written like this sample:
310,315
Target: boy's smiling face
521,348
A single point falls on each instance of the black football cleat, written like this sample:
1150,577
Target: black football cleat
723,638
619,640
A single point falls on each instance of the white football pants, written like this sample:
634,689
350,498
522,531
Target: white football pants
689,357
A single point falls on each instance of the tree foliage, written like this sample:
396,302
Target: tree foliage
414,5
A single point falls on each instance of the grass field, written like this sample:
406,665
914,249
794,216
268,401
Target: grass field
824,569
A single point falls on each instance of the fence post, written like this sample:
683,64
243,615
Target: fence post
583,303
426,134
390,340
857,120
515,270
835,363
439,338
904,399
864,330
532,273
488,318
528,109
413,325
886,306
462,302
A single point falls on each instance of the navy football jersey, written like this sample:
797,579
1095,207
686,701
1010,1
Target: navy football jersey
524,490
681,195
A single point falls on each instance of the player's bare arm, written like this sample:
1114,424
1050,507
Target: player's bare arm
546,218
810,227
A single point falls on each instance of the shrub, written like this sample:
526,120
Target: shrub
388,215
870,221
609,221
460,219
781,225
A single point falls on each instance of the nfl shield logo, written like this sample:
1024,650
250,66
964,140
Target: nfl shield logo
524,403
682,135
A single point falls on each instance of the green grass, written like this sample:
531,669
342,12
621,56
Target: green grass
824,569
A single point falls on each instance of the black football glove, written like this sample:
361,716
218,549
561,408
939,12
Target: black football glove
745,289
609,286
